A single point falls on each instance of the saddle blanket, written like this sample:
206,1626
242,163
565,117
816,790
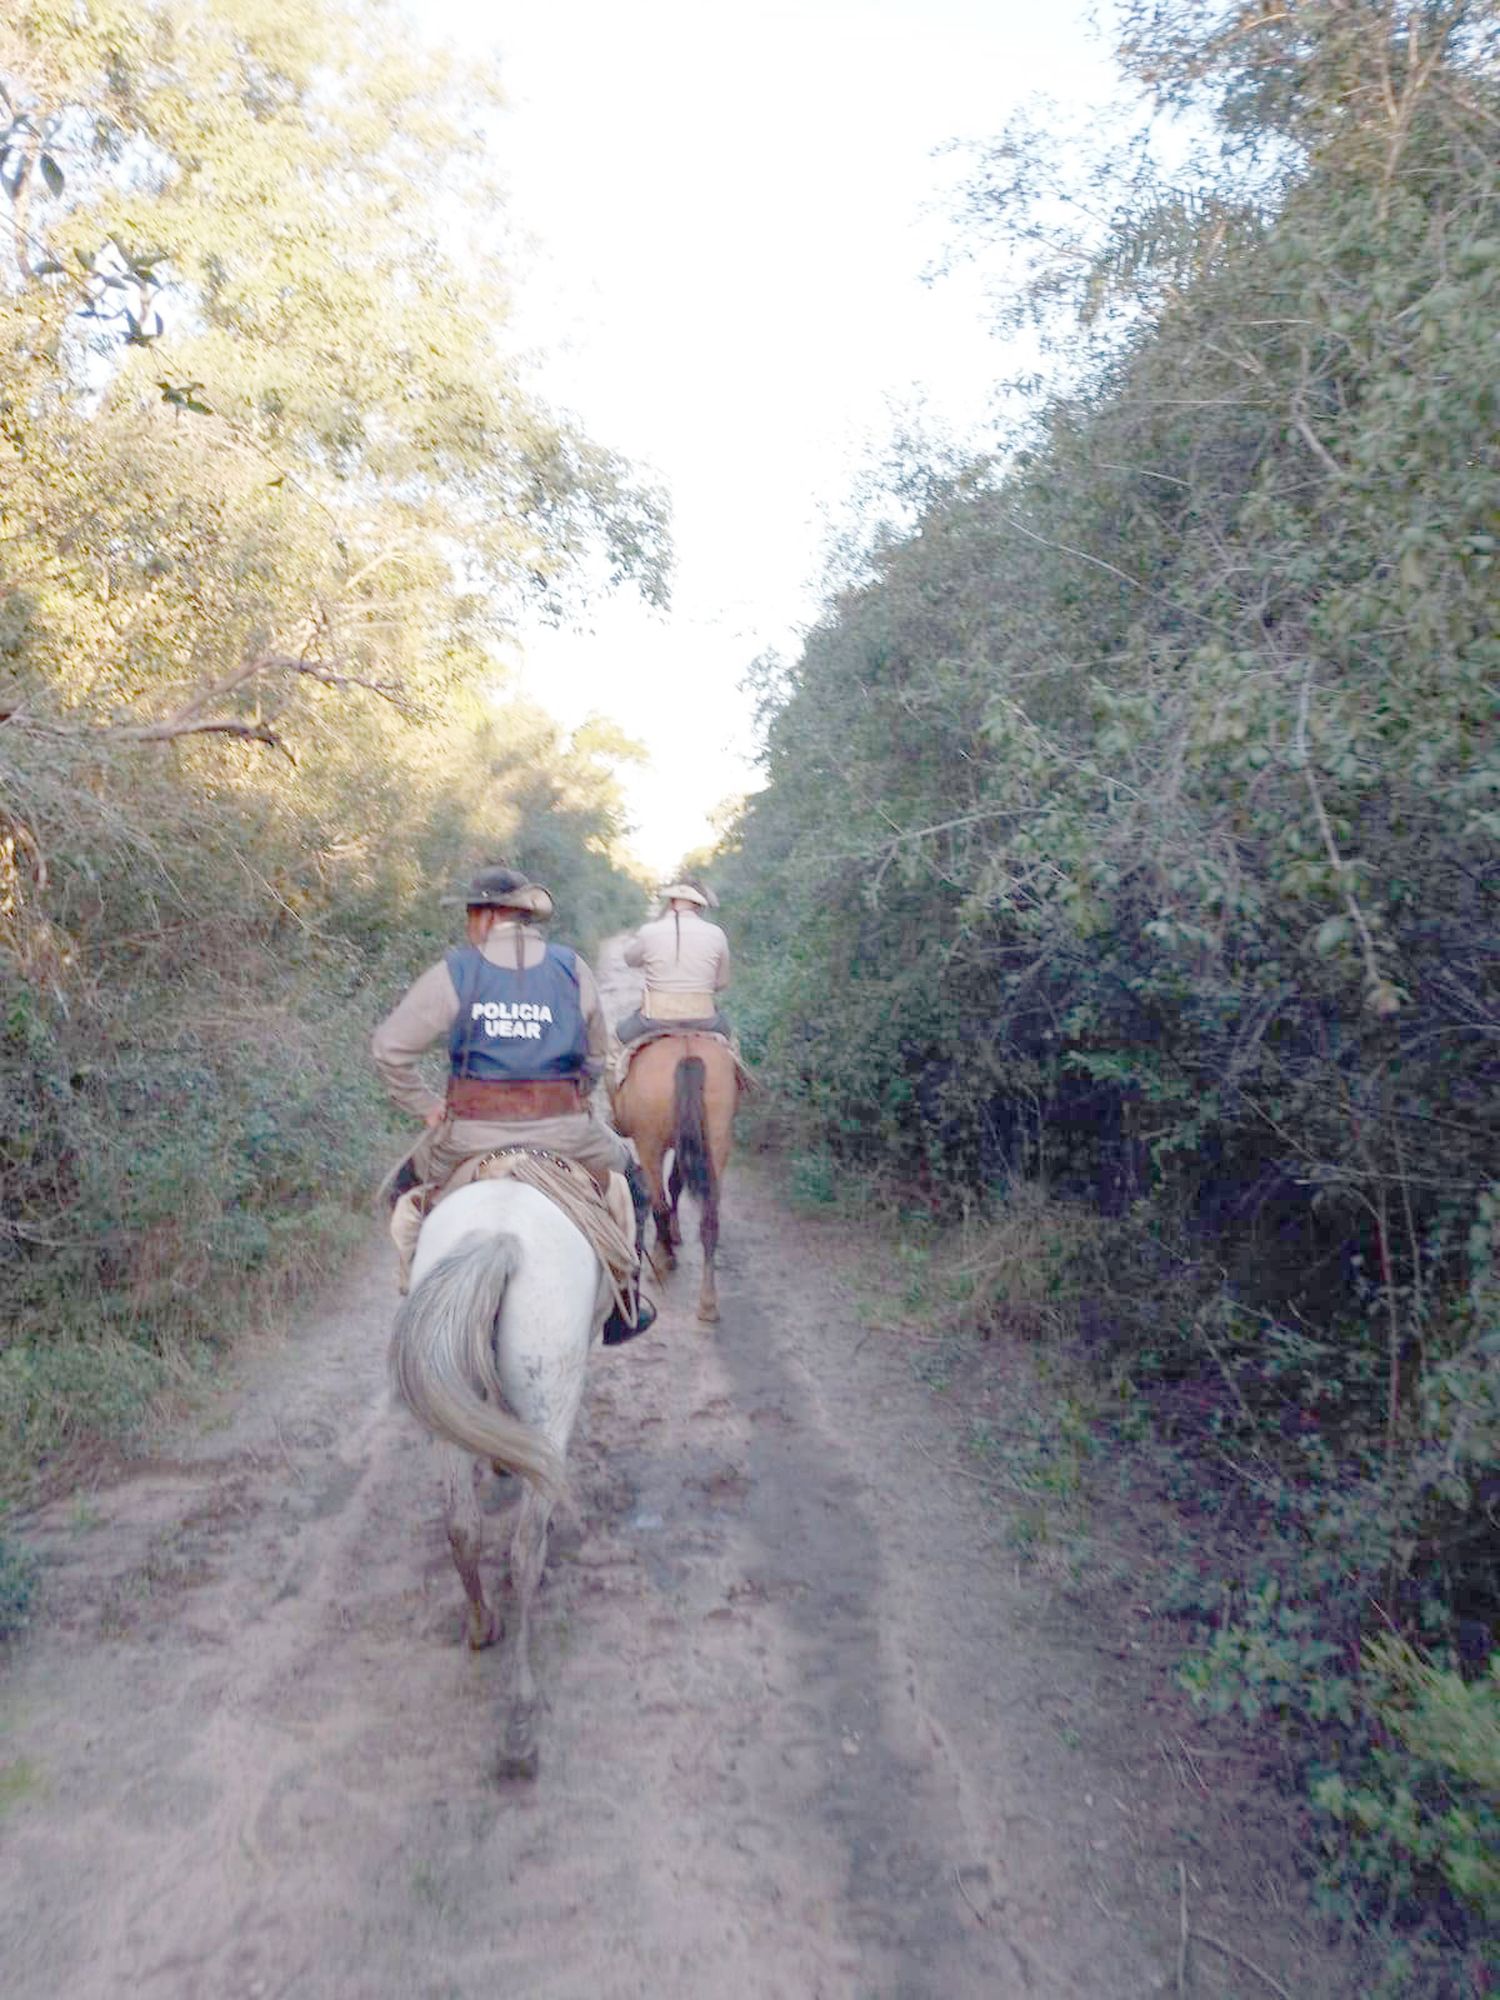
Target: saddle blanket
624,1053
606,1218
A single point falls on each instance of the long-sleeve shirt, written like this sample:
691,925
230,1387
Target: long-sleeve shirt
681,952
428,1010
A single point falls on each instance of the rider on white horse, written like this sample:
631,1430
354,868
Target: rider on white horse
526,1036
685,961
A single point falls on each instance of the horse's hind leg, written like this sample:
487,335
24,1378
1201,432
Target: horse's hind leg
708,1236
461,1477
664,1255
662,1258
528,1554
722,1097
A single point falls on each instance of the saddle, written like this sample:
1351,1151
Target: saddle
598,1205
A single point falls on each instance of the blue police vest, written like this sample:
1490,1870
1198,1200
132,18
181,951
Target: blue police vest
516,1027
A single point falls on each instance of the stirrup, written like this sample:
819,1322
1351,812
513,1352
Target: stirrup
617,1329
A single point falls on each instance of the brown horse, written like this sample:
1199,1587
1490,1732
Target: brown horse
680,1095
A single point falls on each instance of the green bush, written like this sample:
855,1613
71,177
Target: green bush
1425,1805
255,583
1130,830
812,1180
17,1587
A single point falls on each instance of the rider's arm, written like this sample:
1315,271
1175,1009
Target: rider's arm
635,951
721,975
427,1010
593,1017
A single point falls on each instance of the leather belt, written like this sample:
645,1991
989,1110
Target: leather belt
504,1101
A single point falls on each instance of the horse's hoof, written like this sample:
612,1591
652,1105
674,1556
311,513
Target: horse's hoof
484,1629
708,1315
524,1765
520,1757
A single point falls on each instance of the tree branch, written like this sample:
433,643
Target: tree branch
193,717
173,727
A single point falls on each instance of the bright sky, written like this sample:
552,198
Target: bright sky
732,208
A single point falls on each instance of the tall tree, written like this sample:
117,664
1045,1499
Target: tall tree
272,489
251,240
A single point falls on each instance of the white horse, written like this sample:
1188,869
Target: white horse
489,1353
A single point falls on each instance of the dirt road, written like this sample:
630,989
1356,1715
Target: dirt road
806,1738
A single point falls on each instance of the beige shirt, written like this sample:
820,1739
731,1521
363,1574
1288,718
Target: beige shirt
694,959
430,1007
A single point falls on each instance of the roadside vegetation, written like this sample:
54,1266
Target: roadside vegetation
271,497
1127,865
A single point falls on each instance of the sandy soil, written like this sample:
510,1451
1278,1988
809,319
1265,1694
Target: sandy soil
810,1735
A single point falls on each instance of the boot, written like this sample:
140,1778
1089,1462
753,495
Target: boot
617,1329
401,1182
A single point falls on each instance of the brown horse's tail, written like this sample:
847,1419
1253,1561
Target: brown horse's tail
689,1135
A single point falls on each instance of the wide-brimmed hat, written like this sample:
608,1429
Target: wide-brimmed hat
689,892
505,889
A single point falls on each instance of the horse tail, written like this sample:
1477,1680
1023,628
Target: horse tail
689,1136
443,1360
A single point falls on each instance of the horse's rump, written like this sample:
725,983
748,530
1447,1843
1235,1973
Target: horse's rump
498,1322
645,1099
443,1359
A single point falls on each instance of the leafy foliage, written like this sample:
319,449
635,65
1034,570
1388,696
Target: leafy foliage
1432,1804
1130,822
17,1586
272,492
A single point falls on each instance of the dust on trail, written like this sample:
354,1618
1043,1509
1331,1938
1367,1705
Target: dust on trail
804,1739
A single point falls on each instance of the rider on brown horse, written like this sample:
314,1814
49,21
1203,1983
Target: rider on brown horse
526,1036
685,962
681,1080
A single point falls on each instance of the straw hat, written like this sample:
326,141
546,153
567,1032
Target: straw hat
505,889
689,892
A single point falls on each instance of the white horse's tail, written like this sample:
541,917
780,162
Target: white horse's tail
443,1360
